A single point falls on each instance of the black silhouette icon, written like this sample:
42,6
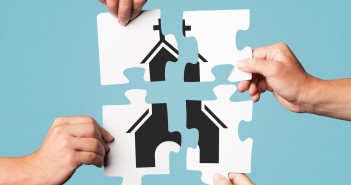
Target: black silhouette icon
154,130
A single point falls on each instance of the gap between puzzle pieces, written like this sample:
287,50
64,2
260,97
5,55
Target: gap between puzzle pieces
169,89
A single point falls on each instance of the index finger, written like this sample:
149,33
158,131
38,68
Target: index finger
271,52
86,119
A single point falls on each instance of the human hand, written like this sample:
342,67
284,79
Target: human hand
124,10
275,68
70,143
234,179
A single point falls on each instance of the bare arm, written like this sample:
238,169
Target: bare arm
331,98
12,171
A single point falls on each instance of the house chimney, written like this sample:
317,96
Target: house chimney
185,28
159,29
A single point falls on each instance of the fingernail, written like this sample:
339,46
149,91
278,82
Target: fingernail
109,138
133,17
240,64
123,23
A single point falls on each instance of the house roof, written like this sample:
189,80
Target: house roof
140,121
148,113
218,122
163,43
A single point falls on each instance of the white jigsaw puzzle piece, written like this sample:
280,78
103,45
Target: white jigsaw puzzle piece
234,154
123,47
215,33
118,119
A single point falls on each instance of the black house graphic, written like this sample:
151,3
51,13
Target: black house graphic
154,130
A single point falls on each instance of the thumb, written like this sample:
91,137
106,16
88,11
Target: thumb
260,66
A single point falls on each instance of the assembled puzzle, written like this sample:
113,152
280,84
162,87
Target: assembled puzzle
143,138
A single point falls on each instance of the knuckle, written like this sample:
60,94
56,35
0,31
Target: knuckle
58,120
92,129
282,45
70,158
58,130
123,15
64,143
281,48
95,144
93,157
89,119
278,50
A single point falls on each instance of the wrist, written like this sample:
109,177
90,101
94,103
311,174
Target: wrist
32,169
310,98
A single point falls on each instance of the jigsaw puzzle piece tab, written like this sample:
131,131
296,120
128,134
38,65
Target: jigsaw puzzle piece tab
233,155
135,153
137,45
215,32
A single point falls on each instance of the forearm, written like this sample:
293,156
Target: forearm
331,98
13,171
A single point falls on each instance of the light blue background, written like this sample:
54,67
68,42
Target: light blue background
49,67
